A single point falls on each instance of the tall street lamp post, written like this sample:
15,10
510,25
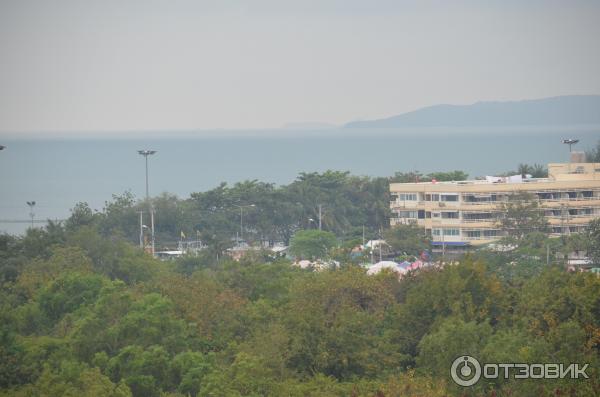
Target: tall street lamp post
31,204
147,153
570,142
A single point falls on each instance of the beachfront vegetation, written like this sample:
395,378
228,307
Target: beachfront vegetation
85,313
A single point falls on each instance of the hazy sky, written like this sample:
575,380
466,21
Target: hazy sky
126,65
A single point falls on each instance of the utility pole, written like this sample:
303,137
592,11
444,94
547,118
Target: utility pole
372,249
147,153
141,229
152,227
380,242
320,214
363,236
443,246
241,207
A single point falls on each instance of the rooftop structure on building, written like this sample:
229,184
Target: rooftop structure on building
467,213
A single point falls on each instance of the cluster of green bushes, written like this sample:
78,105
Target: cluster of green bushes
84,314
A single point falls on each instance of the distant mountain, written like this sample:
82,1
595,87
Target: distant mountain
308,126
561,110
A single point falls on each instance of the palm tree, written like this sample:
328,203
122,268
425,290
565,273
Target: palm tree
524,169
593,155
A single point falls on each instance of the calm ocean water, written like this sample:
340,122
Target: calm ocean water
61,172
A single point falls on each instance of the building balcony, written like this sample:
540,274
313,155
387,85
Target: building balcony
481,224
404,221
479,220
571,220
406,204
477,241
445,221
447,239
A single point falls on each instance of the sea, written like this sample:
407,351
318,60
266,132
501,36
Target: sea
57,171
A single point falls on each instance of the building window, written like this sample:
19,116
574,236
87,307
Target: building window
450,215
479,198
407,197
446,232
449,197
549,196
407,214
478,216
490,233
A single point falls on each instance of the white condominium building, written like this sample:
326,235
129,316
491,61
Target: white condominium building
467,213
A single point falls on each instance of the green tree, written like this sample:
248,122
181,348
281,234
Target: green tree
465,291
114,257
12,257
71,379
81,215
120,217
448,176
593,155
68,292
188,370
522,215
409,239
453,338
145,371
407,177
312,243
592,235
12,369
535,170
334,325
